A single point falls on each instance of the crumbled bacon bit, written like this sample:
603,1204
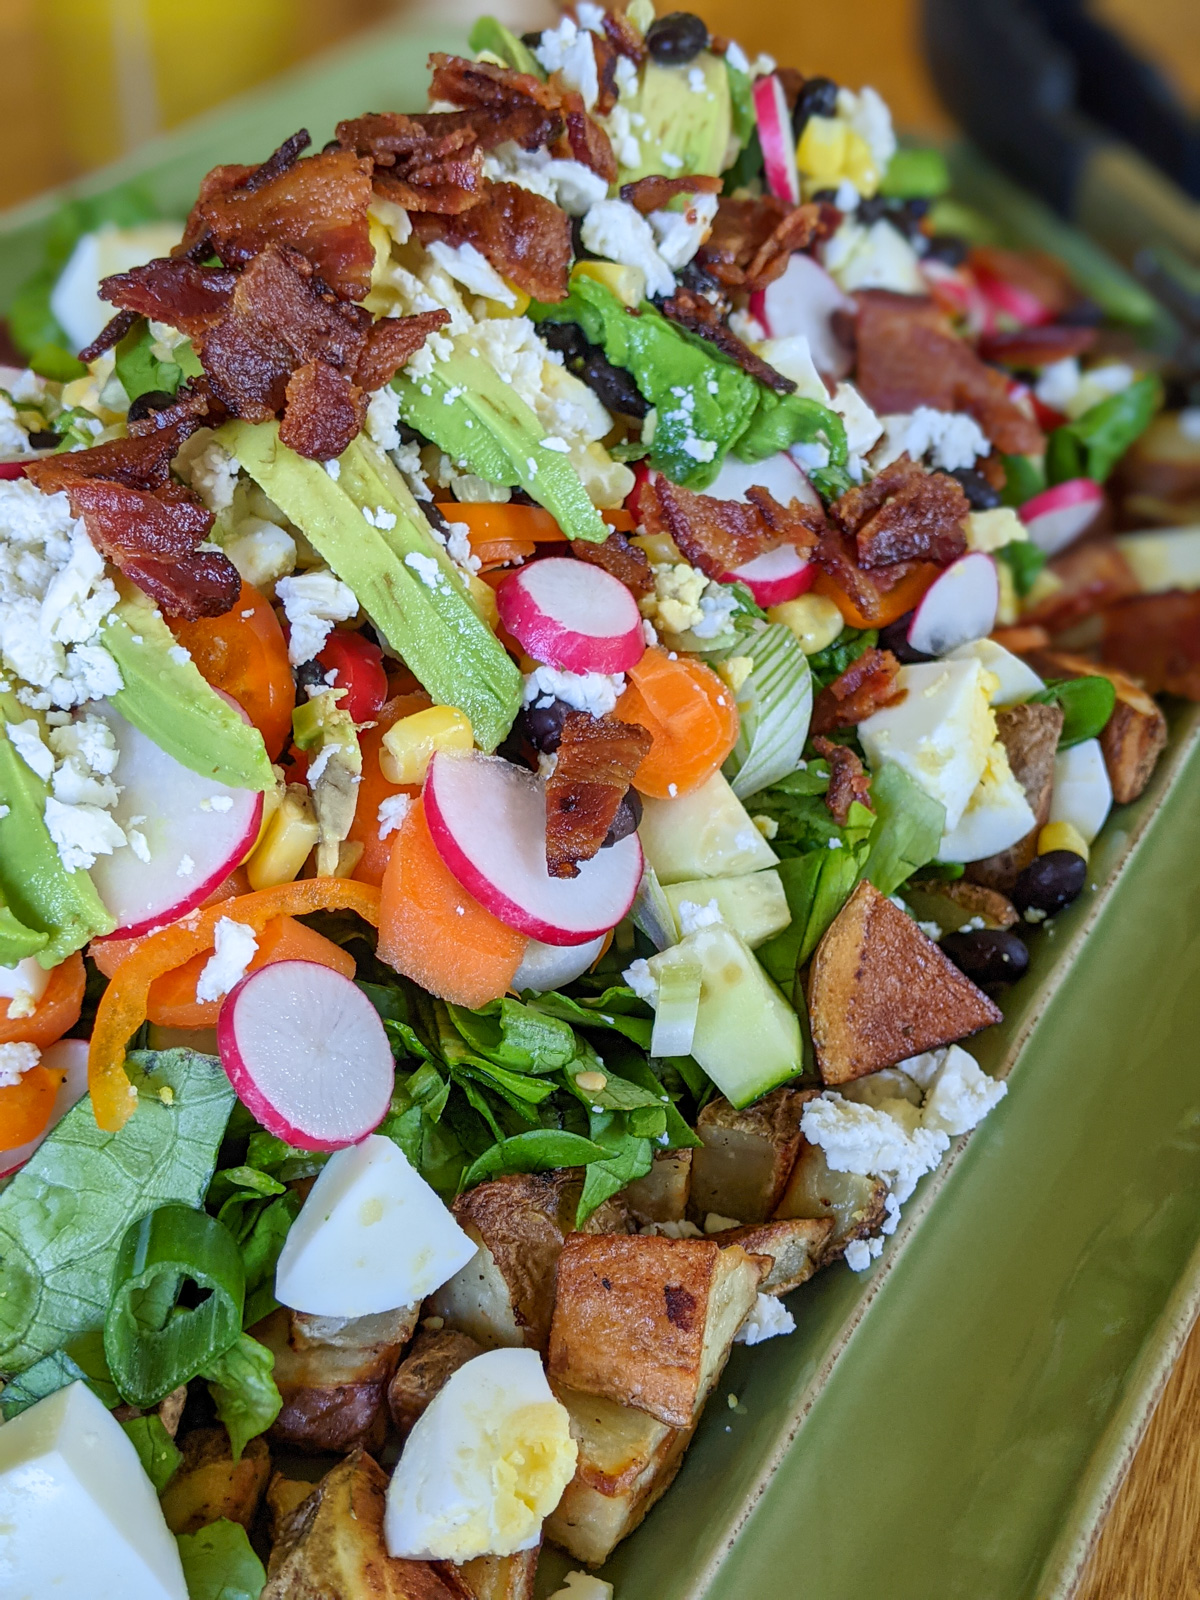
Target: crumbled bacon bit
192,403
486,86
324,411
910,356
624,37
1037,347
837,556
429,163
586,141
616,555
606,56
138,462
905,514
719,535
848,780
699,316
597,758
1156,638
111,334
391,342
865,687
751,240
173,290
524,236
204,584
652,193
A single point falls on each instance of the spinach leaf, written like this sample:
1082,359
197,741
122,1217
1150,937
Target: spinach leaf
1024,560
617,1008
65,1213
830,663
219,1564
817,886
83,1360
1087,704
1091,446
907,831
242,1385
514,1035
627,1156
540,1150
1023,478
156,1449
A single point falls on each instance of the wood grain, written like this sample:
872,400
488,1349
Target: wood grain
1149,1548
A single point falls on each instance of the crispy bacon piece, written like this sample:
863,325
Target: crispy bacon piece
585,140
428,163
174,290
323,412
910,356
699,316
837,555
652,193
597,758
485,86
1156,638
524,236
624,37
192,402
606,55
865,687
204,584
905,514
138,463
751,240
848,779
719,535
616,555
391,342
113,331
317,206
1037,347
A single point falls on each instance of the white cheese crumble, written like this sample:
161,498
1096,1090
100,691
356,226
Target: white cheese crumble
867,114
597,692
392,812
15,1061
951,439
873,1143
214,475
474,271
679,234
87,755
618,231
426,568
26,740
693,917
767,1318
583,1585
642,981
234,948
81,833
382,424
313,602
568,51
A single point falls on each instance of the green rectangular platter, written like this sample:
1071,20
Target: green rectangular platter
951,1424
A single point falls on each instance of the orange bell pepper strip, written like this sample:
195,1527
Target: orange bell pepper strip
57,1011
122,1008
888,605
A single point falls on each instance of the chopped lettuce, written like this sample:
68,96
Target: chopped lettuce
155,1447
907,830
1091,446
219,1563
242,1386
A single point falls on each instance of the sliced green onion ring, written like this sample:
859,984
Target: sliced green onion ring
678,1004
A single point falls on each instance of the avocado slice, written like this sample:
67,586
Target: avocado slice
690,124
403,578
165,696
468,411
59,911
490,35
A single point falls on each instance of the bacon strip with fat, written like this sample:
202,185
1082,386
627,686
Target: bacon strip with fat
597,758
905,514
868,684
719,535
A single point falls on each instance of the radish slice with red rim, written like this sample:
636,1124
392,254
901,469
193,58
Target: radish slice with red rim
960,605
487,819
778,474
572,615
803,300
306,1054
775,136
775,576
1056,517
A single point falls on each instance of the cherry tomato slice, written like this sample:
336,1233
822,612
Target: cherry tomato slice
244,653
358,666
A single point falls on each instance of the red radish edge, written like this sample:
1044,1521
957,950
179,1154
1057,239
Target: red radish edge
12,470
1057,516
775,136
775,576
1012,300
504,820
959,605
299,1017
802,301
572,616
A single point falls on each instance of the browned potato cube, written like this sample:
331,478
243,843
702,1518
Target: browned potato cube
1029,734
743,1165
627,1459
332,1548
855,1205
210,1484
647,1321
283,1496
794,1247
953,905
662,1195
879,991
500,1577
333,1374
434,1358
1136,733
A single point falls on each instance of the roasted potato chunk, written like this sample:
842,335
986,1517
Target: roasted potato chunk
505,1293
879,991
333,1374
742,1167
283,1496
647,1321
662,1195
794,1246
429,1365
1136,733
332,1546
854,1205
499,1577
210,1484
627,1459
1081,581
1029,734
953,905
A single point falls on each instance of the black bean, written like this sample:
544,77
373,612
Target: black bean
918,207
825,197
44,439
977,489
629,814
565,337
677,38
543,725
946,248
533,40
989,956
895,638
309,675
818,98
871,210
145,404
613,386
1050,883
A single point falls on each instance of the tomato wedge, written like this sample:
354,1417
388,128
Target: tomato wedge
244,653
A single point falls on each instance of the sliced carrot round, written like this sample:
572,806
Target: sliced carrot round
245,654
374,789
691,716
434,932
25,1106
57,1010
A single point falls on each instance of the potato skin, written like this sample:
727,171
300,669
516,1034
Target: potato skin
211,1485
432,1360
1136,733
742,1167
1029,734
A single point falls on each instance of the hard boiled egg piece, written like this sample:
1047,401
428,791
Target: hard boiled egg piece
371,1236
997,814
1015,681
485,1464
75,299
1082,792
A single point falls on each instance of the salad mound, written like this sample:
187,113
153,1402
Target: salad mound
555,653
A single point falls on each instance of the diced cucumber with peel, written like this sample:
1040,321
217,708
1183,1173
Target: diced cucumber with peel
754,906
705,834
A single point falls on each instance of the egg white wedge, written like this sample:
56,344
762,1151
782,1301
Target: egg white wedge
1016,681
997,814
75,299
484,1465
1082,792
371,1236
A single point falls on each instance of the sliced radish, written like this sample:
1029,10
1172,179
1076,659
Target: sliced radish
69,1056
803,301
960,605
12,469
196,831
778,474
1046,418
1056,517
775,576
775,136
550,966
1011,300
307,1055
487,819
572,615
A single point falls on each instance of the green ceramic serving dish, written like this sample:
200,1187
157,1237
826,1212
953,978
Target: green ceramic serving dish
953,1422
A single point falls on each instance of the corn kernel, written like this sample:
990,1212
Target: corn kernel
821,152
408,745
734,670
660,548
1009,608
858,164
627,283
287,842
498,308
1062,836
813,618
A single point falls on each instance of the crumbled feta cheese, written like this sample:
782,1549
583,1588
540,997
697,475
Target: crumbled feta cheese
313,602
392,812
234,948
642,981
861,1252
1064,386
874,257
960,1094
618,231
873,1143
951,439
583,1585
426,568
693,916
568,50
767,1318
737,58
567,184
81,833
597,692
458,546
261,551
214,475
679,234
138,843
380,517
16,1059
474,271
382,424
87,757
867,114
26,740
186,867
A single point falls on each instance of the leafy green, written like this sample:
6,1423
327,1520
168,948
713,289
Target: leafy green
242,1385
540,1150
156,1449
817,886
488,34
1024,476
1024,560
83,1360
796,804
830,663
52,361
219,1564
64,1215
617,1008
139,369
915,175
741,101
630,1156
907,831
1091,445
1087,704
